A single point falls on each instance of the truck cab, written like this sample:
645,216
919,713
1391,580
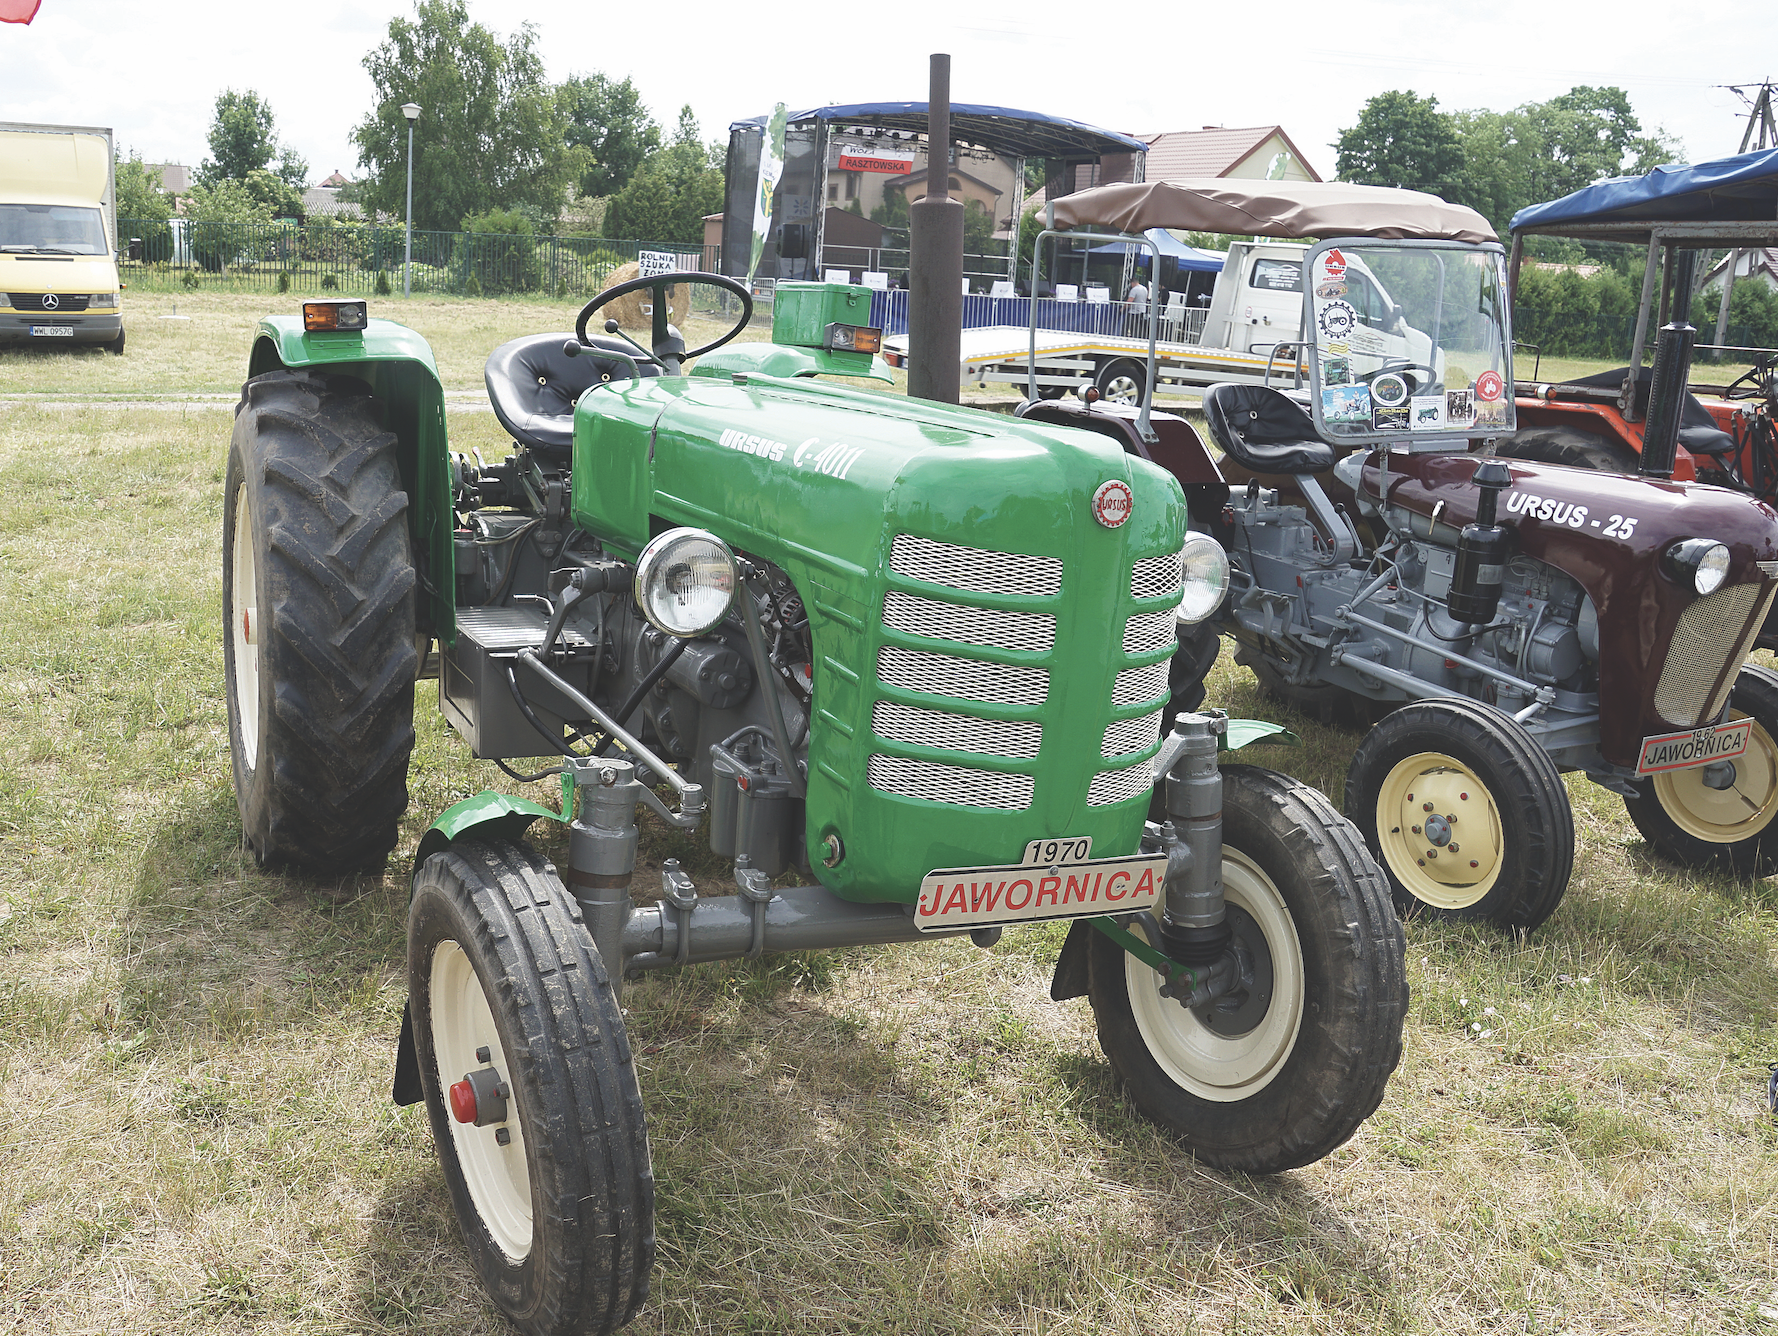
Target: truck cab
58,261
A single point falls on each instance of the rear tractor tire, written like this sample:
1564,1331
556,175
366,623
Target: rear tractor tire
318,591
546,1152
1693,821
1278,1075
1465,813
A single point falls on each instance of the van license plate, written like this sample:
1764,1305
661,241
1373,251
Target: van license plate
1056,880
52,331
1695,746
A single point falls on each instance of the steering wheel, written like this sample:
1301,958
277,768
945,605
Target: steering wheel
669,349
1412,368
1754,383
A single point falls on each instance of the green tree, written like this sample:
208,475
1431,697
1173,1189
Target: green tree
279,199
499,251
139,192
1402,140
243,140
218,213
671,192
606,118
978,227
492,133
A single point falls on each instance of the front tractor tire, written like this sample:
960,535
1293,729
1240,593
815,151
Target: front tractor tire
1694,822
551,1180
1279,1075
318,590
1465,812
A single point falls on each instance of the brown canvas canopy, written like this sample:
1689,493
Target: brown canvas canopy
1271,209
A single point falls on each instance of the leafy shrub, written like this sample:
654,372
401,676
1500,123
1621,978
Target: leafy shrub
284,281
497,251
383,289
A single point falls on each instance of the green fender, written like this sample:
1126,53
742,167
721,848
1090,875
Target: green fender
1245,732
487,815
398,366
789,361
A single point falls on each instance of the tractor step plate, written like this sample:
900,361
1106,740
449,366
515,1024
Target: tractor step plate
1049,884
1694,746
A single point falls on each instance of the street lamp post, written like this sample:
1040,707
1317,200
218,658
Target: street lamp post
412,111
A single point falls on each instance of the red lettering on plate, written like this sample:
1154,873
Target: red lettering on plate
986,898
956,900
1119,875
1015,886
1078,888
1048,886
937,895
1146,885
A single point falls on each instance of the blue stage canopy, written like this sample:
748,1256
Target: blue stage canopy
1006,130
1189,257
1742,188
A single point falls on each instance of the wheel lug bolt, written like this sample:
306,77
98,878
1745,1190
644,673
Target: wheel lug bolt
1473,863
1432,853
1425,807
502,1137
484,1054
1422,862
1462,797
1454,848
1415,829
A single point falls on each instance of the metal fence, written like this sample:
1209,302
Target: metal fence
331,255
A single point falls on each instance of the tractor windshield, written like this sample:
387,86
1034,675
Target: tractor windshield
1410,339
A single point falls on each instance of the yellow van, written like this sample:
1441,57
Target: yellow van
58,257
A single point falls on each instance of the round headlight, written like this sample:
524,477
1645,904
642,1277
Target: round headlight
1205,567
1702,562
685,581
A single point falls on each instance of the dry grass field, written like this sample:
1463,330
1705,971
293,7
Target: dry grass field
195,1055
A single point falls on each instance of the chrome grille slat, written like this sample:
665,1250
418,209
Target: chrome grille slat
1707,636
1115,786
1131,735
1016,739
965,679
1147,632
1135,685
918,616
956,785
974,569
1156,577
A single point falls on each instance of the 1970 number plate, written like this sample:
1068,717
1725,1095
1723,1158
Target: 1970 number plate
1057,880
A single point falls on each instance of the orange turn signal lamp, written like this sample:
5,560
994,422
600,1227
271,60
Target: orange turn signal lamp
334,314
854,339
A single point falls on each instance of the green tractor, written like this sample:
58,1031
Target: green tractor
945,664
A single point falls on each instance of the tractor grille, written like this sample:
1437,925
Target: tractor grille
1016,739
918,616
37,301
1712,633
1135,685
973,569
1147,632
964,679
1155,577
1115,786
1131,735
954,784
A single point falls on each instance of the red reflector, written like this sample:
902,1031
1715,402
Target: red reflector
741,782
463,1102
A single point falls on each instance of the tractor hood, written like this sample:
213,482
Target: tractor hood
1610,533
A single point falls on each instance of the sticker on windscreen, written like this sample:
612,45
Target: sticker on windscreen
1336,371
1337,320
1426,412
1459,408
1389,390
1346,403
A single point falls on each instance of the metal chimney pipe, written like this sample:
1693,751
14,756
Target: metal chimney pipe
1666,398
935,262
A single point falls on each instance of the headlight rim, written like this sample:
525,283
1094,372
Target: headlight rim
1201,540
652,562
1689,560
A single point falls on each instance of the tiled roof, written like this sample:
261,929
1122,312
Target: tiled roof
1179,154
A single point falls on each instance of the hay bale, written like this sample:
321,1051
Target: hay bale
630,310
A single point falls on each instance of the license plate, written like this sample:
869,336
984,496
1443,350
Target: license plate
52,331
1695,746
1056,880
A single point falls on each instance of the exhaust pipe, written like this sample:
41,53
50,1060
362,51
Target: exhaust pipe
1666,398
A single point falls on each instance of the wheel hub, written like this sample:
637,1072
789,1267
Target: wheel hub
1727,801
1243,1007
1439,831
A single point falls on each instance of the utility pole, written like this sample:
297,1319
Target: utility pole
412,111
1759,119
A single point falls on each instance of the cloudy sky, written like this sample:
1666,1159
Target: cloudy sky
153,71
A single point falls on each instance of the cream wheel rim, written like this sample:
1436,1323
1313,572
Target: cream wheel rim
1439,830
243,621
498,1179
1725,816
1193,1056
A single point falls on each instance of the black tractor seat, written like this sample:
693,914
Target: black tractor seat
533,386
1698,431
1263,431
